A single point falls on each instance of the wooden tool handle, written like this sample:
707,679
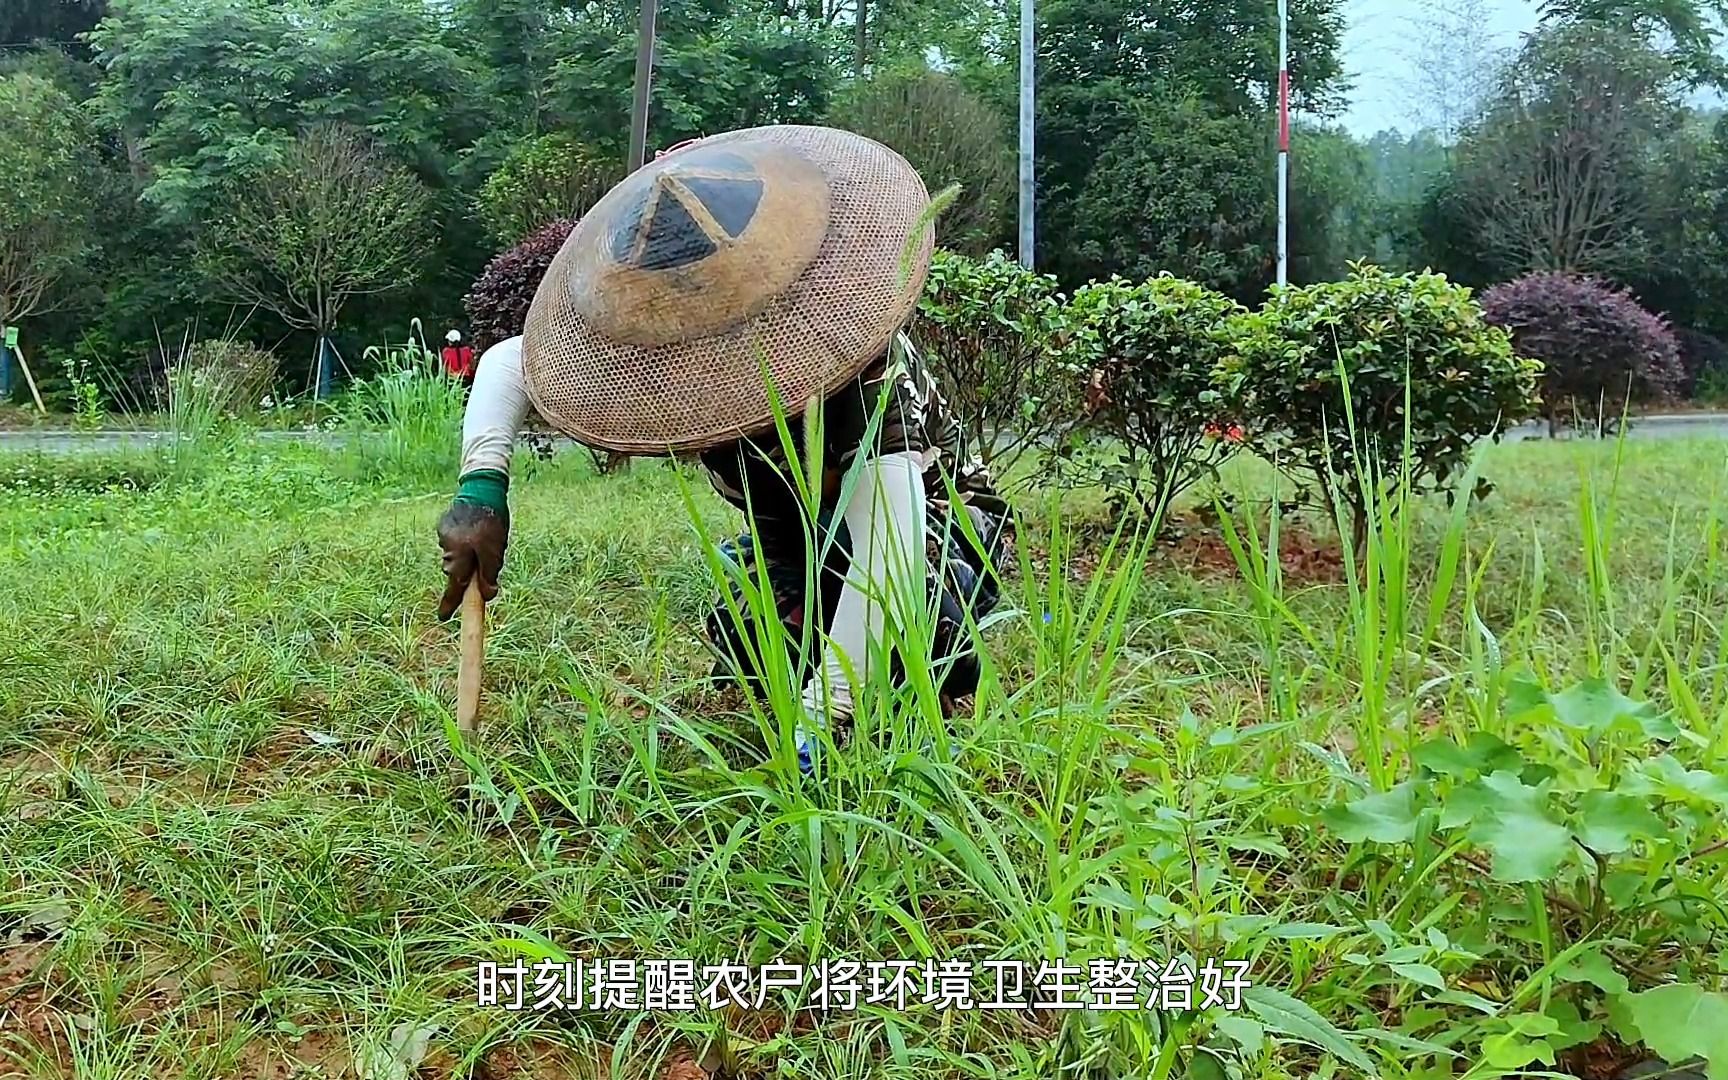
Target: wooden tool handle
18,351
473,659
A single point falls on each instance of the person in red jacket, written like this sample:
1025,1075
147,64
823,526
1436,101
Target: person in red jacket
458,358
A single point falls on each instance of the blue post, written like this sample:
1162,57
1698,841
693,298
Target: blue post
5,374
323,368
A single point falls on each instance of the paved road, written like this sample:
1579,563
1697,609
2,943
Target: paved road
76,442
1677,426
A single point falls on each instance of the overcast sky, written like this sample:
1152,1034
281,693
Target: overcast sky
1378,44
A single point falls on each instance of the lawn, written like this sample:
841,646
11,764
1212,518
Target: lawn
1460,812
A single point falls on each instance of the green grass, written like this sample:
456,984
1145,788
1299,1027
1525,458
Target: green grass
230,841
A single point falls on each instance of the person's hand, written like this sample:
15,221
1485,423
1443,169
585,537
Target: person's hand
473,538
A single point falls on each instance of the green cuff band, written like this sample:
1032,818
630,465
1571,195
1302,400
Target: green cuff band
488,488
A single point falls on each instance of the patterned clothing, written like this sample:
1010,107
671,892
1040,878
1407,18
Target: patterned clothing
916,419
957,588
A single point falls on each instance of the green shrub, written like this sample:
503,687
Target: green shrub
1154,419
543,180
1337,378
990,328
244,372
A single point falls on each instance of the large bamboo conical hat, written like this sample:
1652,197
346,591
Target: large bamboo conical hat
789,252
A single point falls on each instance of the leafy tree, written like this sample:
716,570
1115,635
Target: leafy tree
211,88
1224,51
1108,68
1186,191
1599,349
1703,362
1445,236
1452,64
713,72
544,180
1337,379
1334,216
1690,29
332,220
514,45
1403,166
1558,172
1403,170
1685,277
46,216
965,38
951,137
991,329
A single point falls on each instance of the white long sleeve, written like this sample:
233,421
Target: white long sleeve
497,406
885,517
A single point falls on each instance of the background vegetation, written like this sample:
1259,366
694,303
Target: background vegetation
141,131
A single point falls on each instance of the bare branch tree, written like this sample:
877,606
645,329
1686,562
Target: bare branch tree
333,220
1558,169
1453,64
45,198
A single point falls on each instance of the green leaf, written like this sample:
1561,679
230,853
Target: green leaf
1684,1021
1573,1029
1665,776
1528,844
1463,804
1245,1033
1203,1066
1305,931
1421,973
1406,1042
1523,694
1593,968
1287,1016
1509,1051
1608,821
1594,705
1386,818
1483,754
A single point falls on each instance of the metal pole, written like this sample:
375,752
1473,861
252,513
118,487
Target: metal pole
1028,56
324,372
1283,142
644,75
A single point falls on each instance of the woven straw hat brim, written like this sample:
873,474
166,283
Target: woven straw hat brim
635,351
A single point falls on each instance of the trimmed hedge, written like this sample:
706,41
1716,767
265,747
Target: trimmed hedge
1156,420
1340,379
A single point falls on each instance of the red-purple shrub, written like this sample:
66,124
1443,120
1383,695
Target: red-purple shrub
497,304
1596,344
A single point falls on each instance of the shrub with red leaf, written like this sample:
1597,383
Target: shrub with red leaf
1596,344
497,304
